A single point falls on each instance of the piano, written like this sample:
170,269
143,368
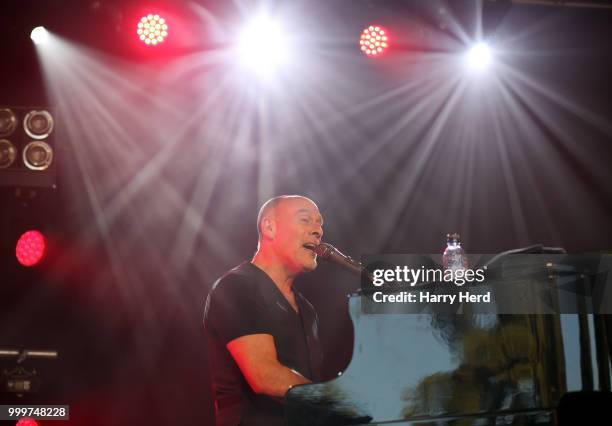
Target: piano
460,369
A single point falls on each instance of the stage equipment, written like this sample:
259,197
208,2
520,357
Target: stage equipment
27,152
39,35
332,254
26,421
262,45
8,122
374,41
38,124
20,379
152,29
8,152
30,248
479,57
37,155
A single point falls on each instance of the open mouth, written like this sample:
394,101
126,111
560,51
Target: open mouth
309,246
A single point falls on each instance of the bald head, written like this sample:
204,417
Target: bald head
269,208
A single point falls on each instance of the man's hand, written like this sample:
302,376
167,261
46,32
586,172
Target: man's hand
256,357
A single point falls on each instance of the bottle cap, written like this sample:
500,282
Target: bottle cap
453,238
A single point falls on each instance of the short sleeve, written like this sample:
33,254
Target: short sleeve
234,309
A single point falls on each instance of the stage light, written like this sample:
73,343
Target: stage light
8,152
37,155
152,29
374,41
8,122
30,248
27,154
479,56
27,146
39,35
26,421
262,46
38,124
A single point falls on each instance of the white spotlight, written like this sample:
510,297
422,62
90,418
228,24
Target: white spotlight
262,45
39,35
479,56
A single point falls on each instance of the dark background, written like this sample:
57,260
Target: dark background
120,294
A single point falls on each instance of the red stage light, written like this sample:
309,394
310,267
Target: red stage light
26,421
374,41
30,248
152,29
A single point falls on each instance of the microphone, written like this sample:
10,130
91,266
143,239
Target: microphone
332,254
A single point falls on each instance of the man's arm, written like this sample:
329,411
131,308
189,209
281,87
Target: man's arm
256,357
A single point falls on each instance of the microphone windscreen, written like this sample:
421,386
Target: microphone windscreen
324,250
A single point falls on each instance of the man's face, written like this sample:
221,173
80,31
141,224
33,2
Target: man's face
298,225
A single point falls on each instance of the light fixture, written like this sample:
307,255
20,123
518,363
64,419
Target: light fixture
374,41
39,35
479,56
37,155
30,248
38,124
26,421
27,147
152,29
262,45
8,122
7,153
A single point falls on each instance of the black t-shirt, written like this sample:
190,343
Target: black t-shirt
246,301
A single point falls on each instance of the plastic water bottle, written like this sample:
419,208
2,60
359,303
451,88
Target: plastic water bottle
454,257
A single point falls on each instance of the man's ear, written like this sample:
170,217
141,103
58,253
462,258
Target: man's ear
268,227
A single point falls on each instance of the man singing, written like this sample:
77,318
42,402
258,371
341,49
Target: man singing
262,334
